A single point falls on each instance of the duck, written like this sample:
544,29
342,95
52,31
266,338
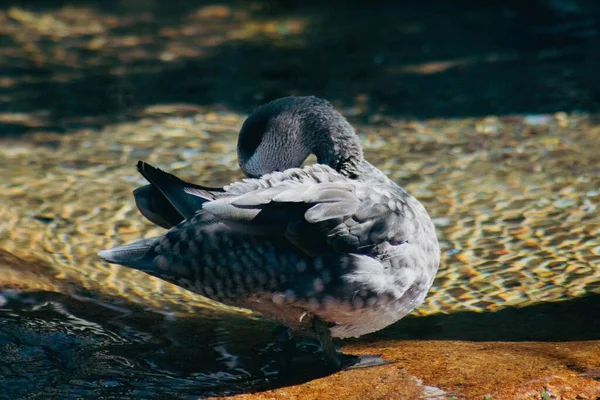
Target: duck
334,250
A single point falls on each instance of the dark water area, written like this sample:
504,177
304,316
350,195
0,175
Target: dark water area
55,346
85,63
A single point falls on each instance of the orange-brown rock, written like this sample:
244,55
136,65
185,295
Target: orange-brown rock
461,370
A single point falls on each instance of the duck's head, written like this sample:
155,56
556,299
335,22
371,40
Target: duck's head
283,133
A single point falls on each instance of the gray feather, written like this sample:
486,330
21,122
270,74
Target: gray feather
326,211
330,196
225,210
258,197
130,255
204,194
293,194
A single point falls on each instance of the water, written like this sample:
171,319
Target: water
486,135
521,230
55,346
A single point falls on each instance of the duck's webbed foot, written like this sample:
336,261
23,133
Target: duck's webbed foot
338,361
287,348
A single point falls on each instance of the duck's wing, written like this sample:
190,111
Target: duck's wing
166,201
386,217
301,236
316,209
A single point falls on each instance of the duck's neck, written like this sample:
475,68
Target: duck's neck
346,158
337,145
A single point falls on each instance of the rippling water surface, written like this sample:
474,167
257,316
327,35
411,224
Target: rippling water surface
59,347
517,220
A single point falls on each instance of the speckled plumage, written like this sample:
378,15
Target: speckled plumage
350,248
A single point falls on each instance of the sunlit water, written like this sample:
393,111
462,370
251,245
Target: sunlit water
516,217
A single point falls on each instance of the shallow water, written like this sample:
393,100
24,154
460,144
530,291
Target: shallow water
523,230
515,197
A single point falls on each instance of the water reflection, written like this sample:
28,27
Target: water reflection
53,345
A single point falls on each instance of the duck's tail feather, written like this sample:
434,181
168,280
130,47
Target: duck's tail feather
138,255
167,201
155,207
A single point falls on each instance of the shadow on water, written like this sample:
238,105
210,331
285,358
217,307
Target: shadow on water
414,59
567,320
55,345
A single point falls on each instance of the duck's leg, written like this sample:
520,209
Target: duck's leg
287,348
337,360
332,357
